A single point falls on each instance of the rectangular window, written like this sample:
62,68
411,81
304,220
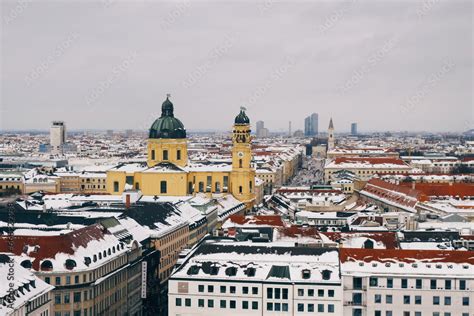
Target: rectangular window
331,293
223,304
300,307
152,154
462,284
277,307
57,299
310,292
67,298
447,284
269,292
465,301
225,183
210,288
269,306
404,283
245,290
178,154
58,280
129,180
245,305
419,283
310,307
223,289
433,284
187,302
232,289
320,293
165,154
178,301
201,288
277,293
406,299
447,300
300,292
320,308
232,304
210,303
378,298
389,283
254,305
201,302
389,299
116,186
435,300
163,187
77,297
377,313
330,308
285,294
254,290
208,183
357,283
418,300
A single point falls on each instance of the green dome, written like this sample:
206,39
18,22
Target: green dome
242,118
167,126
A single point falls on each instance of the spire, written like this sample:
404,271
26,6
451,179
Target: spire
331,125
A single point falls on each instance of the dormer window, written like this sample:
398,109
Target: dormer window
231,271
306,274
326,274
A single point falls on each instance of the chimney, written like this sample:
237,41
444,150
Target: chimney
413,184
127,201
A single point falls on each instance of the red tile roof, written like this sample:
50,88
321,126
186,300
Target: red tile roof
444,189
402,195
49,246
257,220
370,160
408,256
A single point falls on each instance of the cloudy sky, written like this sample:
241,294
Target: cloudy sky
388,65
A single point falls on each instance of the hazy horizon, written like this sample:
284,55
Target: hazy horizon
108,64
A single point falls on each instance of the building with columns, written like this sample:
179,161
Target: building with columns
168,171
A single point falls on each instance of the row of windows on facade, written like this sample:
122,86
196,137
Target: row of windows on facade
404,283
407,299
166,154
10,187
358,312
164,185
271,306
272,293
38,302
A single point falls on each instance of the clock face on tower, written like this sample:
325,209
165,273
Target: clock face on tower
240,154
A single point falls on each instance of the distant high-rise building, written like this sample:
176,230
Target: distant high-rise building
307,126
261,130
314,124
311,125
354,129
57,134
289,129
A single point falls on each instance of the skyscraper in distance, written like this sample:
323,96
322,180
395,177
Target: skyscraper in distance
314,124
354,129
57,135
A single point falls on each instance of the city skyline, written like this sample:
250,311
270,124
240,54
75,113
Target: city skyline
96,66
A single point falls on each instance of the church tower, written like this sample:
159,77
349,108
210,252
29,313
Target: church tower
331,135
243,175
167,138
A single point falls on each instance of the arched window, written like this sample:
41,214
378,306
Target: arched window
240,163
240,189
178,154
218,187
46,265
163,187
190,187
165,154
152,154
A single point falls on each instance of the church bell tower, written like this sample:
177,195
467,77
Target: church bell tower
242,175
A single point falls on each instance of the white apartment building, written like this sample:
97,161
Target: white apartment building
223,277
393,282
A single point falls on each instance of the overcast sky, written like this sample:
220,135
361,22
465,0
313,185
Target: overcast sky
387,65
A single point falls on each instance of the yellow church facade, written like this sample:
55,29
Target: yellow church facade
168,172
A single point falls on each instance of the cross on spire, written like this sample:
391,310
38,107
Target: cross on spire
243,108
168,95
